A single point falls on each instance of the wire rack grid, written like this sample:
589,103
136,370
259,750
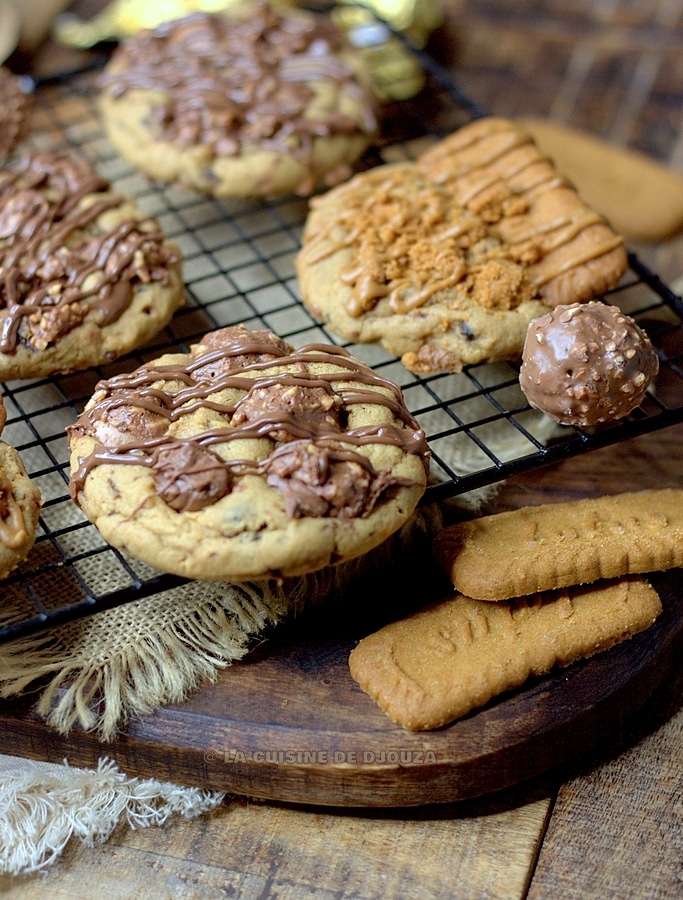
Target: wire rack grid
239,267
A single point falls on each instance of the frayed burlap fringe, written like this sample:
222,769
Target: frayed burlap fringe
44,807
130,660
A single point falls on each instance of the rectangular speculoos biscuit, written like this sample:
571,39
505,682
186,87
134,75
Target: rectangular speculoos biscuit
539,548
435,666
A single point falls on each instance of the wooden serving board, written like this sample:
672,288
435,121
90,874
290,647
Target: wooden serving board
289,724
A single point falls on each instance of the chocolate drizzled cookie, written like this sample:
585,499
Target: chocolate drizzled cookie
254,101
246,458
84,275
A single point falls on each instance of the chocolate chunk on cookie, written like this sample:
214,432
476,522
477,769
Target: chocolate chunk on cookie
254,101
84,275
246,459
447,259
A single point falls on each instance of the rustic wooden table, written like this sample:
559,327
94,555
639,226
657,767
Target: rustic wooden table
609,825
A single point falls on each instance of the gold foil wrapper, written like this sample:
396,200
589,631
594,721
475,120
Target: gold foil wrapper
396,74
122,18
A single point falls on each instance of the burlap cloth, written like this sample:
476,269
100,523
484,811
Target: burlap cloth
100,671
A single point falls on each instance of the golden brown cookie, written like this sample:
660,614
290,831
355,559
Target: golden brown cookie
539,548
447,259
20,503
250,102
84,275
435,666
247,459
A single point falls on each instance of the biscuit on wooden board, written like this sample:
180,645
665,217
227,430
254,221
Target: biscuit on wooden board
640,197
437,665
538,548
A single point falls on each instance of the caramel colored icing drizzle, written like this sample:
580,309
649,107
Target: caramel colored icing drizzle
283,397
414,230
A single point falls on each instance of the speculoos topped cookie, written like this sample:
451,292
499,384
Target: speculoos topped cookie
446,260
246,458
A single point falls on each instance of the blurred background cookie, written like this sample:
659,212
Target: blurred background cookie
250,102
14,107
85,276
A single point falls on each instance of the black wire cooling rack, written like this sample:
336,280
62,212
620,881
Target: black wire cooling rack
239,267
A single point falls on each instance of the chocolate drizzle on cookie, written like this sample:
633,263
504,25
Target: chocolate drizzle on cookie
226,82
252,386
58,262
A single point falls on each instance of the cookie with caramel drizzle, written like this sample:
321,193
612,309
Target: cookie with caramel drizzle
446,259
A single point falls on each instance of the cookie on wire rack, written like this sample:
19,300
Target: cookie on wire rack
446,260
20,504
247,459
85,276
250,102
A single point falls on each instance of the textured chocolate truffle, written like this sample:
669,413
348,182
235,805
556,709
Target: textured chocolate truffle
586,363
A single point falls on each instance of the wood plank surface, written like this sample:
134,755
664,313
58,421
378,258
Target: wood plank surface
614,820
252,850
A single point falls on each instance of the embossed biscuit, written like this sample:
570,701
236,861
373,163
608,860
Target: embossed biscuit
247,459
454,656
447,259
85,276
251,101
538,548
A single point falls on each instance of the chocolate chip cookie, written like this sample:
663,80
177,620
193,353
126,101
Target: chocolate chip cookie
20,503
253,101
446,259
84,275
247,459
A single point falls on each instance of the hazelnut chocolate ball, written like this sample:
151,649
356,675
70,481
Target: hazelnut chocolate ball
586,363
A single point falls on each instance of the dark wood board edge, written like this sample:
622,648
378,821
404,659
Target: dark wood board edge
372,763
